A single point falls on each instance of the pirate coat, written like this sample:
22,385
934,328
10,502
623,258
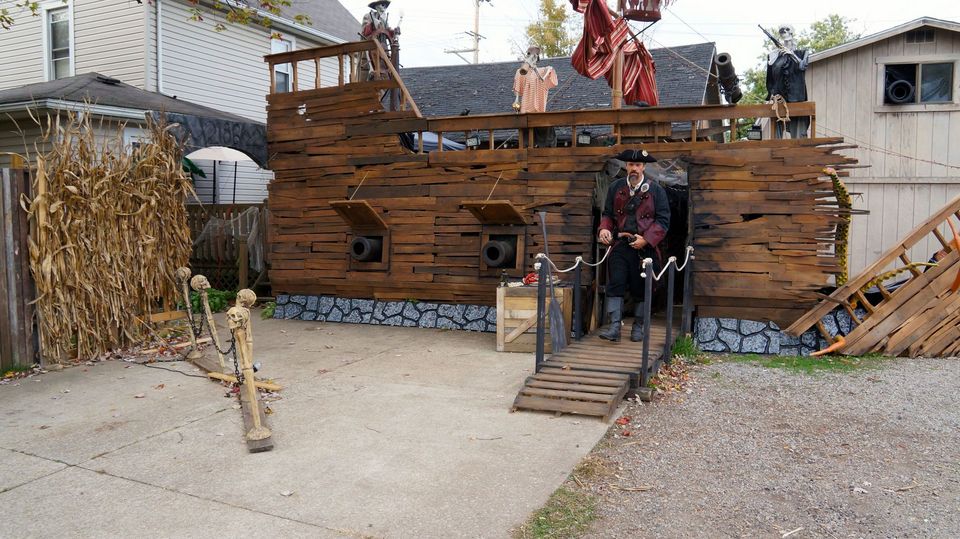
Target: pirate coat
647,214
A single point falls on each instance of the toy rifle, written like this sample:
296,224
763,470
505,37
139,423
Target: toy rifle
779,45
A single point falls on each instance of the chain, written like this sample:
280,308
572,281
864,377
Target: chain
236,361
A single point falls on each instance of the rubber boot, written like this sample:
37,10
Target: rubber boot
636,332
615,311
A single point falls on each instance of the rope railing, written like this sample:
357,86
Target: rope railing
670,268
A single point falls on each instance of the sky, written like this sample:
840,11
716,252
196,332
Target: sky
430,26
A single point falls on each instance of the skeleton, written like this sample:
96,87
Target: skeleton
376,26
201,285
529,63
785,78
238,319
246,298
183,277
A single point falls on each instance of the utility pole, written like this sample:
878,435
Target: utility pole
475,34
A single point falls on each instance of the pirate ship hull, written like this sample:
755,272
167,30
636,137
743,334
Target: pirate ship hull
762,216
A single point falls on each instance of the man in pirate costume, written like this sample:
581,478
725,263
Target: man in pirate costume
635,220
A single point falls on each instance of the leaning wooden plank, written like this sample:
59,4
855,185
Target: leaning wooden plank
544,404
806,321
269,386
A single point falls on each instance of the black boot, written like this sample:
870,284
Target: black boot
636,332
615,311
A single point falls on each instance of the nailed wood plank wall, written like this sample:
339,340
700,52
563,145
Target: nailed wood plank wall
763,211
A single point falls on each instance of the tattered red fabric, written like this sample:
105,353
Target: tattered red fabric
596,53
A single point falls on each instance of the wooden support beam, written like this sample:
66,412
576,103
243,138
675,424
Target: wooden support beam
269,386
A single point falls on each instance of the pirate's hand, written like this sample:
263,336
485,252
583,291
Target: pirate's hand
639,243
605,237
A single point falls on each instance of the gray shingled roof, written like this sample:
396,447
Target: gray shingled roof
327,16
488,88
100,90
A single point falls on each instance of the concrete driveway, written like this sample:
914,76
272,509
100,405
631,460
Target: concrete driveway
381,432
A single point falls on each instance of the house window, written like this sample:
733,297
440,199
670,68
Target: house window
281,72
59,56
906,84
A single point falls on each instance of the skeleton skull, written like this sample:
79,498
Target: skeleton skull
787,34
183,274
237,317
246,298
199,283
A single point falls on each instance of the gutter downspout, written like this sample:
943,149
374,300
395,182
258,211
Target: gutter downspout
159,47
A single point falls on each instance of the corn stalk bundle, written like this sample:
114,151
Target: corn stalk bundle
110,229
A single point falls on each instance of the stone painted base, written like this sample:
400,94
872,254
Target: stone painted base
749,337
407,313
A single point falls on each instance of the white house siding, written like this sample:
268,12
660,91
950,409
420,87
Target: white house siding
251,183
11,141
899,192
21,51
109,39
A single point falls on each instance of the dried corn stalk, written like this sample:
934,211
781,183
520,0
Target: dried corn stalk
110,229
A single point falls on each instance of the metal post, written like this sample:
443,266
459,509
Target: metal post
668,344
686,321
647,300
577,313
541,311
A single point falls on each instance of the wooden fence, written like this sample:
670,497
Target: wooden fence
222,257
18,346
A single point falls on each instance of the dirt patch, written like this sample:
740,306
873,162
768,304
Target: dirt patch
744,450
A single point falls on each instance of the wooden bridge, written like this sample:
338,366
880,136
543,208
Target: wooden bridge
592,376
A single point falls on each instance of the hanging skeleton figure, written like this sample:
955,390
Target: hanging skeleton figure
376,27
531,85
786,69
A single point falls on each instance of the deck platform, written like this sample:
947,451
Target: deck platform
592,376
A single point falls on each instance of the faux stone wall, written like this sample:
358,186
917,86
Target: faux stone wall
746,336
387,313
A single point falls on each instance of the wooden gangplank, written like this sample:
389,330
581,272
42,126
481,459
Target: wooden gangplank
592,376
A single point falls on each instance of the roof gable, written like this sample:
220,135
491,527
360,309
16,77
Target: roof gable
327,16
886,34
488,88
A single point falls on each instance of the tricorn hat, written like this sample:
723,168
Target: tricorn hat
636,156
373,5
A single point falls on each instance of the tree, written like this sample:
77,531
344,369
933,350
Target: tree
232,12
551,32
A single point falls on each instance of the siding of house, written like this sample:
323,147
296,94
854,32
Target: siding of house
107,39
898,191
10,139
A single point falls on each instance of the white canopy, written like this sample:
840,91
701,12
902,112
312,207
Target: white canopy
219,153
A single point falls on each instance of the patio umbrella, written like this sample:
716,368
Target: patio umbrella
221,153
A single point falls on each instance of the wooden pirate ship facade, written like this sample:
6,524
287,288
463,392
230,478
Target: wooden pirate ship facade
359,211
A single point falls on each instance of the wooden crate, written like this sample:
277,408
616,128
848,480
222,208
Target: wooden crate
517,317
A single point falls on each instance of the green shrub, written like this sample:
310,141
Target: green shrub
219,300
268,310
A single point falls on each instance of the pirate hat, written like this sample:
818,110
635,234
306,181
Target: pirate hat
373,5
636,156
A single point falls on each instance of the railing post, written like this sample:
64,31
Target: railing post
668,343
647,300
541,310
577,313
686,320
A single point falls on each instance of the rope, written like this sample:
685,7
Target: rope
646,262
361,183
870,147
777,101
494,187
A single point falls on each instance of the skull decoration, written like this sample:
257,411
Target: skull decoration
237,317
183,274
199,283
787,34
246,298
